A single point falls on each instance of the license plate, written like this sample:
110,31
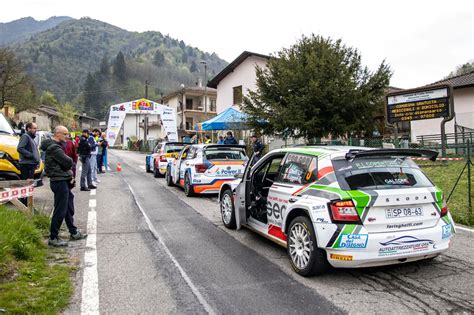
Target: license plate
403,212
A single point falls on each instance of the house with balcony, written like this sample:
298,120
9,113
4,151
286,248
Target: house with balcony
193,105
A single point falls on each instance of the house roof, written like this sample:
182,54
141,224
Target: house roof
231,66
460,81
54,112
210,91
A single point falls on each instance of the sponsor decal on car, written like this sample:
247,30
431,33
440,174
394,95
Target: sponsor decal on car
405,244
341,257
353,241
404,225
446,231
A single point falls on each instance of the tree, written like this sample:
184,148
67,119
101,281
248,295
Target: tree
67,116
315,88
462,69
158,59
48,98
16,87
104,66
120,69
92,95
193,67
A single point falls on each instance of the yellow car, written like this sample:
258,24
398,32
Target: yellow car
9,156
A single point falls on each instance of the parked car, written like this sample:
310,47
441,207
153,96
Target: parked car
203,168
341,206
162,154
9,156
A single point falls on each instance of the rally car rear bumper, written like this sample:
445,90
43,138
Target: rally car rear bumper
394,248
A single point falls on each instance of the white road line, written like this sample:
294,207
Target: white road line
93,192
464,229
92,203
185,276
90,283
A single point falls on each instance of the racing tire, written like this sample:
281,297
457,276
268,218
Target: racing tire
169,180
306,258
188,188
228,210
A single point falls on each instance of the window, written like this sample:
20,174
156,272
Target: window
189,123
379,173
189,103
213,153
298,169
192,153
238,95
213,105
34,119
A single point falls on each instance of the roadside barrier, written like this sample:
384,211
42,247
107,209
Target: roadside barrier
12,190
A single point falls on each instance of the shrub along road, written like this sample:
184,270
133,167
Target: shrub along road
159,251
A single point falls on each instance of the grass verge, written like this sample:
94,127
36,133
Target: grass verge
444,175
33,278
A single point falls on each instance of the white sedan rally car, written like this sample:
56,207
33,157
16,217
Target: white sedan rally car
341,206
204,168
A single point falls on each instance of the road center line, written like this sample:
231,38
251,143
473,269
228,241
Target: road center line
93,192
185,276
90,283
92,203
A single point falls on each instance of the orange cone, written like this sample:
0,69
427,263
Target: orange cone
119,167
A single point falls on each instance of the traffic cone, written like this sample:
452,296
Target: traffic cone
119,167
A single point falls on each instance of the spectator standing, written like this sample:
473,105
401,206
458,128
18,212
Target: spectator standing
220,140
70,149
207,140
229,139
29,154
94,151
84,150
58,168
257,147
100,148
105,146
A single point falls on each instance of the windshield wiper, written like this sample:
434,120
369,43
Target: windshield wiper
3,131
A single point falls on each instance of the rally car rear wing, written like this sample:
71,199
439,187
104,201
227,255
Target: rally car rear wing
239,146
355,153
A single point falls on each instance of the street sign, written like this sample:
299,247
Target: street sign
418,104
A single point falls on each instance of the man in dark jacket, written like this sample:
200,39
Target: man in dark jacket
257,147
58,168
84,150
229,139
29,154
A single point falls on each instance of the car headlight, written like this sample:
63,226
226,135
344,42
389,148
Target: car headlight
2,154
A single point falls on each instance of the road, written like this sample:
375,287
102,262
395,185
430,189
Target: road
158,251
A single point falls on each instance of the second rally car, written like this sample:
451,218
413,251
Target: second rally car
204,168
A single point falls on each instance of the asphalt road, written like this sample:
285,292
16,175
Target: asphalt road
161,252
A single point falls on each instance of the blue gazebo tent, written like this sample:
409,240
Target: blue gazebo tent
230,119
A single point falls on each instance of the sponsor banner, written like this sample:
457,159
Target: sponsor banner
15,193
141,106
405,245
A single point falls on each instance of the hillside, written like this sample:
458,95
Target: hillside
60,59
18,30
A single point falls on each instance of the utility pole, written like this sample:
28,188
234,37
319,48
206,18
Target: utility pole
145,122
205,88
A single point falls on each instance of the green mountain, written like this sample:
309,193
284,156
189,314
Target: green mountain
18,30
60,59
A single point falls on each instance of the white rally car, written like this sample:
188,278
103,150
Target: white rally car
204,168
341,206
162,154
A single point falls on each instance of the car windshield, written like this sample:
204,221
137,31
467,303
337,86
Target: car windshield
173,148
5,126
225,154
379,173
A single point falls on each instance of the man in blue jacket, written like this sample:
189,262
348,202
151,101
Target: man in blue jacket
84,150
29,154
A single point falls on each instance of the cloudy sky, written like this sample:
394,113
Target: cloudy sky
422,40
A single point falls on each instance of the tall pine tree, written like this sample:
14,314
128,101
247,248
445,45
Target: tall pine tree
119,67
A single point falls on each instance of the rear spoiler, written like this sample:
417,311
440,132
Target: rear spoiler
225,146
353,154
